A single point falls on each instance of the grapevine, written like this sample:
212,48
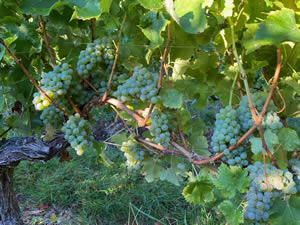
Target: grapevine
207,50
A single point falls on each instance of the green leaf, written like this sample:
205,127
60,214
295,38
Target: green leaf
270,138
172,99
279,26
105,5
281,158
119,138
153,4
171,175
198,144
283,211
232,213
89,10
289,139
100,147
199,191
190,17
152,170
153,31
231,180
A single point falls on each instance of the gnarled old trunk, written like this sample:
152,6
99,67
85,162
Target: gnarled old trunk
13,151
9,210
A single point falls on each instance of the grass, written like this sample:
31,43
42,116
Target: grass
99,195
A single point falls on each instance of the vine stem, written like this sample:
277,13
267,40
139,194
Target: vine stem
5,132
72,104
159,147
86,81
180,133
115,60
93,29
242,71
120,105
42,23
162,67
31,79
232,89
125,124
163,60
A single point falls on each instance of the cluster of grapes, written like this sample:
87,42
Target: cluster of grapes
77,132
260,194
133,155
53,115
271,120
159,128
295,166
225,134
259,202
260,82
141,85
277,179
243,112
54,83
99,51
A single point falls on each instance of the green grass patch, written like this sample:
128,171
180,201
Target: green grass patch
107,195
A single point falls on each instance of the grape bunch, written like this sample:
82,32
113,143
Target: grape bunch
159,128
260,197
141,85
271,120
101,51
77,132
55,83
260,82
295,167
259,203
277,179
243,112
226,133
53,115
133,154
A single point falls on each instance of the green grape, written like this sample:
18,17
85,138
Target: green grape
159,128
133,155
141,85
226,133
77,132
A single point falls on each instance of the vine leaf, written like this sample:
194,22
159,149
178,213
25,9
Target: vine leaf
199,191
190,17
231,212
87,11
152,170
100,147
294,84
198,144
289,139
286,211
270,138
153,4
171,98
279,26
153,31
8,38
119,138
171,175
231,180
